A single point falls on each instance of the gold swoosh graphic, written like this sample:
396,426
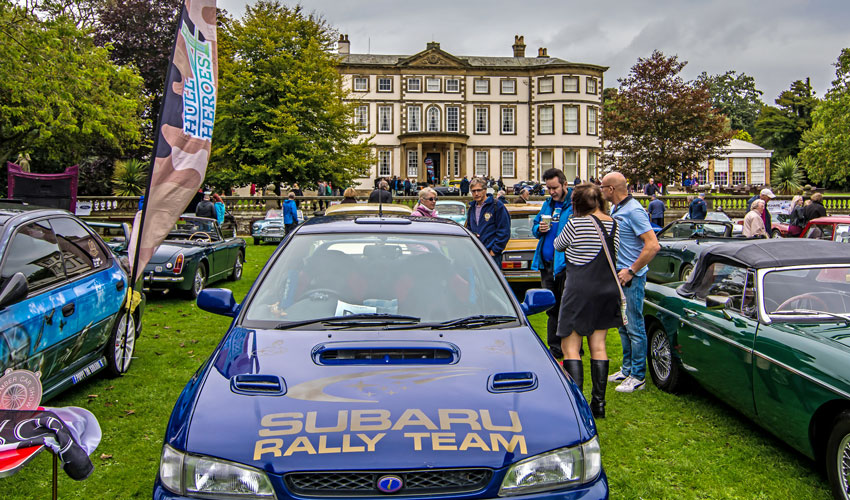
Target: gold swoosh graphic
314,390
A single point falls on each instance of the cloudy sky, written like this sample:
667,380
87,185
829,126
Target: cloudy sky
776,41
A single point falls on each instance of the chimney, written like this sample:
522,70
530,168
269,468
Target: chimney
541,52
343,45
519,46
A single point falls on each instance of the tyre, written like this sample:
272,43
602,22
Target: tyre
121,345
775,234
685,272
663,368
199,281
838,457
238,266
258,241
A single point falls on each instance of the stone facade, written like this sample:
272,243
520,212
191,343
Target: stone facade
743,163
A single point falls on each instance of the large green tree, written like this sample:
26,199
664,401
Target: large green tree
282,114
780,128
826,151
736,96
657,125
61,98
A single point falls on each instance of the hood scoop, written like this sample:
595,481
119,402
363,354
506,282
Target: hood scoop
512,382
383,353
258,385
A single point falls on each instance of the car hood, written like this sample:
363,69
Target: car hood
395,413
167,252
517,244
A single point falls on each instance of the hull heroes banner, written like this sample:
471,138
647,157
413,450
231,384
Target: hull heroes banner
183,144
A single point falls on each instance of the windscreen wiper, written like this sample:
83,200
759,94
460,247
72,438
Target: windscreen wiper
810,312
467,322
366,319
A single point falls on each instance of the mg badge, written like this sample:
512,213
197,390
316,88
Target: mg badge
389,484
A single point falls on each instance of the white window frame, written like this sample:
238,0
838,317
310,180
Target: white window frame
572,127
571,168
365,81
410,88
481,162
388,112
592,86
550,120
486,121
508,163
511,129
433,80
757,168
385,163
389,84
429,113
570,89
456,160
592,158
592,120
481,86
546,165
361,118
549,83
452,85
414,120
450,122
412,163
509,91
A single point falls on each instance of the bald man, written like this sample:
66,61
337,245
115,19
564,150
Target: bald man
638,246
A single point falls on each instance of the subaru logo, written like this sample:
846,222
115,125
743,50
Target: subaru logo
389,484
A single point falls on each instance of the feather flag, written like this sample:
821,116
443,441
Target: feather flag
184,130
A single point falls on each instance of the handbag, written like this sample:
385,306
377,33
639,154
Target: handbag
596,224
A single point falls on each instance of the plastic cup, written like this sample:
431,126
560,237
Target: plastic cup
545,222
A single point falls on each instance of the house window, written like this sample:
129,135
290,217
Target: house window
412,163
571,120
757,171
509,86
385,84
361,118
545,85
480,163
481,120
433,119
545,120
508,163
385,119
414,85
702,177
592,157
414,119
591,121
452,119
361,84
384,163
721,178
452,85
433,84
591,85
570,84
739,171
481,86
739,178
571,165
545,157
508,120
457,163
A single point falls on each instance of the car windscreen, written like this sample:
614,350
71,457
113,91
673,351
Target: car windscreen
521,226
819,289
451,209
683,230
187,227
434,278
717,216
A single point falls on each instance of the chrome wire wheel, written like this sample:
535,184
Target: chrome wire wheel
198,282
660,355
843,457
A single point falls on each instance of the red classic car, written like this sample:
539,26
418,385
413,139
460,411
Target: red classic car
833,227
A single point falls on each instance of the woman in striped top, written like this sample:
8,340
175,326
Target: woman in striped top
591,301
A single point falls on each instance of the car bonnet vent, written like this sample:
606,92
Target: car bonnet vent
512,382
386,354
258,385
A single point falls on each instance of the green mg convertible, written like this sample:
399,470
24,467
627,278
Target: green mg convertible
765,326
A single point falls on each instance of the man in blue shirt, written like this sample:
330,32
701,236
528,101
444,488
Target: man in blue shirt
698,208
551,264
656,211
290,213
488,220
638,245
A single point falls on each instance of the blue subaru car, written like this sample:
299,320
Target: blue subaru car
375,358
61,292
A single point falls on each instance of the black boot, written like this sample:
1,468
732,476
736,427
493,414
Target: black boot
599,378
576,371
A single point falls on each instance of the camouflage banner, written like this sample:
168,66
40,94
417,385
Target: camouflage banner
182,146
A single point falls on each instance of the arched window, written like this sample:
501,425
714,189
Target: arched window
433,119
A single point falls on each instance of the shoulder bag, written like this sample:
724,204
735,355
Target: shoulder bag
596,225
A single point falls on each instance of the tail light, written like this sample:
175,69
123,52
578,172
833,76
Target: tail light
178,264
515,265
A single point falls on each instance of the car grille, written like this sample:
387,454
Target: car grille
417,482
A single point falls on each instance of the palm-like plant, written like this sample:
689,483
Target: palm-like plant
786,177
129,177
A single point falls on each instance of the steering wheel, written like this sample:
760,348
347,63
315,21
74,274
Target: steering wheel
813,300
315,293
202,235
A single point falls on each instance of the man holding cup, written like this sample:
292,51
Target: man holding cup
552,265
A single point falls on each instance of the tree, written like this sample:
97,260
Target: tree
786,176
826,151
736,96
282,114
129,178
60,95
780,128
660,126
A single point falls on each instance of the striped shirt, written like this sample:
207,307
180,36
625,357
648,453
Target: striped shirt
581,241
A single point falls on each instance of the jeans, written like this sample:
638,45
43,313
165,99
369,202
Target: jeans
633,336
556,284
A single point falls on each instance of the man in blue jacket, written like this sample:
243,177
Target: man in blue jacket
551,264
290,213
698,208
488,220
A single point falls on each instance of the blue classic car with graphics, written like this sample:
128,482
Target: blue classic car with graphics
193,254
379,357
61,292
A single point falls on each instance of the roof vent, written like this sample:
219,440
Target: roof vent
380,353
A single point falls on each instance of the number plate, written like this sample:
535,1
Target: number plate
272,239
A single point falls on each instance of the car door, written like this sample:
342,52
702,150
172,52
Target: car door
717,343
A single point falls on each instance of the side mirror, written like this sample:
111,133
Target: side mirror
218,301
718,302
537,300
16,289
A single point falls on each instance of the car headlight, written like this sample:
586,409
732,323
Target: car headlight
206,477
555,469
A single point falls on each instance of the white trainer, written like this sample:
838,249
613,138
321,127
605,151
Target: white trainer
631,384
617,376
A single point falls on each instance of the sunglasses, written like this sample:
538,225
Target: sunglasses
430,199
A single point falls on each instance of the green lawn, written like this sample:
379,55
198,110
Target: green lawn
654,445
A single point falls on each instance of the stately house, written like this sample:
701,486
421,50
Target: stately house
509,117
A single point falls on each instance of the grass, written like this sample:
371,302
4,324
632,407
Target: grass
654,445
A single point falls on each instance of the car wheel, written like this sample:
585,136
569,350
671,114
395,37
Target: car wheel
258,241
775,234
838,457
199,281
685,272
662,366
236,275
122,345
